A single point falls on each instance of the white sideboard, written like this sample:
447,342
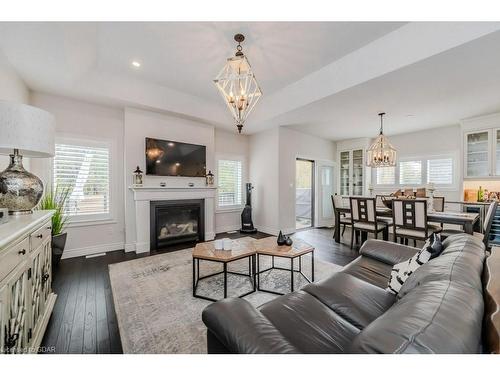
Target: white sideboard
26,297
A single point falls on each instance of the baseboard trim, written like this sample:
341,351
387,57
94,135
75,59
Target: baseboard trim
129,247
91,250
142,247
227,228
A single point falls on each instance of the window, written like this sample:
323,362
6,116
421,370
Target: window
83,169
410,172
386,176
440,171
229,183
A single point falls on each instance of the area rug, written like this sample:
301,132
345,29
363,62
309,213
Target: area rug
157,312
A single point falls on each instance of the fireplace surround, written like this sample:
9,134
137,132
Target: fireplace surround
176,221
137,221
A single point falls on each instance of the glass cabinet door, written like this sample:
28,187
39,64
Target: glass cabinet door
477,154
357,172
344,173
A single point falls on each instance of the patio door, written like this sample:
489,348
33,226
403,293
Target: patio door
304,193
325,183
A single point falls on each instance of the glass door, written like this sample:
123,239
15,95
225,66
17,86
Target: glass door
477,162
357,172
304,193
325,192
497,153
345,162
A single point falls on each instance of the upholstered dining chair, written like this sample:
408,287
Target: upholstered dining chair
364,218
438,206
345,219
410,220
488,221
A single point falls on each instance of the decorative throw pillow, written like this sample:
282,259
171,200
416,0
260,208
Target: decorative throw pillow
434,245
401,271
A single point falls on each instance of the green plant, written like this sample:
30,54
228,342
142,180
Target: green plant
56,200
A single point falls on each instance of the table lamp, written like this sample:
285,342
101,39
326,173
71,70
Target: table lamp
24,131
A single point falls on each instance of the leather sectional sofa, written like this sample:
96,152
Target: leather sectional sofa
438,310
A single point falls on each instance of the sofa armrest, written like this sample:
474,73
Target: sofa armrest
241,328
387,252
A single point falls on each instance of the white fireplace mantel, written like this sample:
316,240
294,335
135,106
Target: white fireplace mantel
143,195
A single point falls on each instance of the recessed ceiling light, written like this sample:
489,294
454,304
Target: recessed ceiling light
136,64
171,144
177,164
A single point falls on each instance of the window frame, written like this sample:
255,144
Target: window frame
375,177
454,156
230,157
83,141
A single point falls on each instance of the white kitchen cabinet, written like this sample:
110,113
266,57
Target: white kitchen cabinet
482,154
352,172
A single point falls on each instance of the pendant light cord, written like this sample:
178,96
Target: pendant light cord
381,122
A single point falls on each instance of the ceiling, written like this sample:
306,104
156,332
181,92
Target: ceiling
324,78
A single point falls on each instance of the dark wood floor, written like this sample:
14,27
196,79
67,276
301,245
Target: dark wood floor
84,320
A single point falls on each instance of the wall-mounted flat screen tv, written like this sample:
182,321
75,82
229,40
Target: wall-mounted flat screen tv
169,158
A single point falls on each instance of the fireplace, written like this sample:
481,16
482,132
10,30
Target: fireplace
176,221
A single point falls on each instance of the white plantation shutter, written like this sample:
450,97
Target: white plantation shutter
229,183
410,172
386,176
84,171
440,171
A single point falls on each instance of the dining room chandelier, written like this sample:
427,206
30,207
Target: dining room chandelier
237,84
381,153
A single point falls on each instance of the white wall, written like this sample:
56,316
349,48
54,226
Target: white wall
264,175
84,120
293,145
231,144
140,124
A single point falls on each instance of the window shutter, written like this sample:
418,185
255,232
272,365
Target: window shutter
386,176
410,172
440,171
229,183
85,172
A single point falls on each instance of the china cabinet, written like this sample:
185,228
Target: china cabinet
482,153
26,297
352,172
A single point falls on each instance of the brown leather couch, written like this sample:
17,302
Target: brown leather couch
438,310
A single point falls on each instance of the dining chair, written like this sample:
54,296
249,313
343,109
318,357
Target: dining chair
410,220
488,221
364,218
345,219
438,204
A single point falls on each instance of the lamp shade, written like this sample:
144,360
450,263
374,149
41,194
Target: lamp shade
26,128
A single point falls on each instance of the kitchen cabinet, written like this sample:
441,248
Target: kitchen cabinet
352,172
482,154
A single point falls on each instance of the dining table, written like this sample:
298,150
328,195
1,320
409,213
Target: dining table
465,219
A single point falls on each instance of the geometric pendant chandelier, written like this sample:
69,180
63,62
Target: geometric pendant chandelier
381,153
237,84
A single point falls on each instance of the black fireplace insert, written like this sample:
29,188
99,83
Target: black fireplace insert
176,221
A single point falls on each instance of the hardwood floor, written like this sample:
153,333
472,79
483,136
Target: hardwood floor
84,320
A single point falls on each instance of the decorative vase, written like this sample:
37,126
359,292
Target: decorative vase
20,190
281,239
58,244
289,241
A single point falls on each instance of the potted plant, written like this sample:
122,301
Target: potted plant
55,200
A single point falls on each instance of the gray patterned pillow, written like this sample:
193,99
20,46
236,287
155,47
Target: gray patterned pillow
401,271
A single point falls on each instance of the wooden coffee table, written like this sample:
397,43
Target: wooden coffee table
268,247
241,248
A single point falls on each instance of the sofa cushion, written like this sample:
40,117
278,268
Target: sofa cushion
369,270
438,317
461,261
308,324
355,300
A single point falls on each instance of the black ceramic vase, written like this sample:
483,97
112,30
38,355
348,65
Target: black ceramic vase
281,239
289,241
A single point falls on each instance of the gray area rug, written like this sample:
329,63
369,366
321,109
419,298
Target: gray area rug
156,310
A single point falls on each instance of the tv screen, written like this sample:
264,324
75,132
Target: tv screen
169,158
